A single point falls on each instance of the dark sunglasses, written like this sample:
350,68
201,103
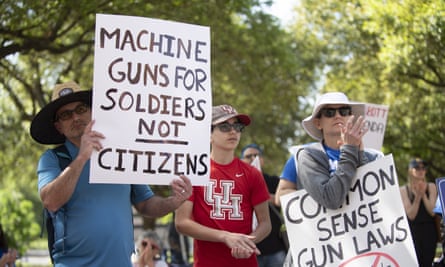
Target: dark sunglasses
420,168
68,114
251,156
330,112
226,127
145,243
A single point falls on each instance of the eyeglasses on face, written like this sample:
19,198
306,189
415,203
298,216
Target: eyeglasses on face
251,156
68,114
330,112
226,127
420,168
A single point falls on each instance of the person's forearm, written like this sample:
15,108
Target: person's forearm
198,231
284,187
429,204
55,194
328,190
158,206
282,192
411,211
261,231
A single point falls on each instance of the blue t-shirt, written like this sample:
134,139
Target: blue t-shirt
98,225
290,170
333,156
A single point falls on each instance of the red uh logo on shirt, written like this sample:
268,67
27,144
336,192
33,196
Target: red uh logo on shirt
224,202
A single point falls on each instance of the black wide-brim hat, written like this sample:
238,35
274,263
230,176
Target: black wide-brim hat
42,127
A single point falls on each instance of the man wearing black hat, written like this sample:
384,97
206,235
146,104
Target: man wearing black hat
93,224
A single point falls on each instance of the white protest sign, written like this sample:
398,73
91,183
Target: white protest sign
376,117
256,163
152,100
370,229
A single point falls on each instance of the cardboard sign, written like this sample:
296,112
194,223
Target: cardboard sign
376,117
370,229
152,100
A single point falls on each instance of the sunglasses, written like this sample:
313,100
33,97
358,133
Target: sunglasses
145,243
68,114
251,156
419,168
330,112
226,127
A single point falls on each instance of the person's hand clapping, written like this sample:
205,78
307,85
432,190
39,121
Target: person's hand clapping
419,188
353,132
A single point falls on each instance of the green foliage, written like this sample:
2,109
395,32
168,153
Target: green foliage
18,220
391,53
256,66
383,52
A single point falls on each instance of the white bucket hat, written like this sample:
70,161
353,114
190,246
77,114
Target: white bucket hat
335,98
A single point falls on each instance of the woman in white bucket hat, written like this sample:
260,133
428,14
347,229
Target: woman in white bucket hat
326,168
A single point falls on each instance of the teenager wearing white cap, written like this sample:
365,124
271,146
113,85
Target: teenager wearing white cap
219,216
93,223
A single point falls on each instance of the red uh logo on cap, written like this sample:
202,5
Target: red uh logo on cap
228,109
